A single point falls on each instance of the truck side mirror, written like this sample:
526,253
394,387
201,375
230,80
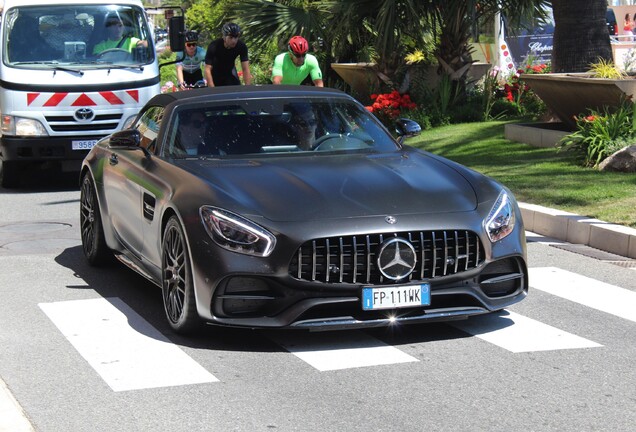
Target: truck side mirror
176,30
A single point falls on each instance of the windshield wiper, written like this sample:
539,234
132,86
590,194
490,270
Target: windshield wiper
51,65
110,65
124,66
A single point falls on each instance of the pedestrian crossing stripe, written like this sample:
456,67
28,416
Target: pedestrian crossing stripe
130,354
123,348
517,333
348,350
585,291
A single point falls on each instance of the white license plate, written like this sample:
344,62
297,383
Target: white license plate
83,144
396,297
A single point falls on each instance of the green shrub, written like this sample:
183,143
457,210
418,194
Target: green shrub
420,116
169,72
606,69
470,110
600,134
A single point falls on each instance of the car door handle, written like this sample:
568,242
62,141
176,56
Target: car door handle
113,159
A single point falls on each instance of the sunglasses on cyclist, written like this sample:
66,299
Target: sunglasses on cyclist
298,55
191,44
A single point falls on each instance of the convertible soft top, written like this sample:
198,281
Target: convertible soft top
253,91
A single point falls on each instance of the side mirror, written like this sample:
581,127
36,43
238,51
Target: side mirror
407,128
125,138
176,30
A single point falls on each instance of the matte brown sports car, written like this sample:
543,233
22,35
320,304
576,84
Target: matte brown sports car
277,206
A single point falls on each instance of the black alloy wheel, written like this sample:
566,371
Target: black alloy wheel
177,286
93,241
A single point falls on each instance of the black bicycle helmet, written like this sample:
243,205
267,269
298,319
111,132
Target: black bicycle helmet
191,36
231,29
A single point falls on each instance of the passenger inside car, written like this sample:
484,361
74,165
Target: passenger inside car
192,126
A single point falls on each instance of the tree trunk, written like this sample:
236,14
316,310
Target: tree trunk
580,35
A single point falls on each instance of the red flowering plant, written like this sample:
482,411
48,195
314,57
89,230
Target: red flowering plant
517,92
387,107
601,133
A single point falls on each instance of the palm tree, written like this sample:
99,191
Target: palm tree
580,35
384,24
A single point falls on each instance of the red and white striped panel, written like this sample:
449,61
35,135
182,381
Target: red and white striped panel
122,97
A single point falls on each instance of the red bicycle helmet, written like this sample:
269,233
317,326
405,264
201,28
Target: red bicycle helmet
298,45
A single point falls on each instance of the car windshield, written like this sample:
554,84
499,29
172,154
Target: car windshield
76,36
275,126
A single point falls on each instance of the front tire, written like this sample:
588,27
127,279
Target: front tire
93,241
176,274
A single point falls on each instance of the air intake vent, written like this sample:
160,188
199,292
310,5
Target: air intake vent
353,259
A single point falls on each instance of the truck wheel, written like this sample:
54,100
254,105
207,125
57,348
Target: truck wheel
9,174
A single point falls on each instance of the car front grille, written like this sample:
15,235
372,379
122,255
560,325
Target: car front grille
353,259
103,123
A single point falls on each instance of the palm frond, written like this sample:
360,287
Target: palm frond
262,20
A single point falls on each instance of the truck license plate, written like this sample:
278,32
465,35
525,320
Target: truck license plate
396,297
83,144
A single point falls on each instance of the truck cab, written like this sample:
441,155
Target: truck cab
70,73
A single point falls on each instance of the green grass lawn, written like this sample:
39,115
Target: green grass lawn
541,176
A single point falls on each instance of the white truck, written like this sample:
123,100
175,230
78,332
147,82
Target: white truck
61,87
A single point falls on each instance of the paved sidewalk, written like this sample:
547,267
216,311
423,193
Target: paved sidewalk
12,418
576,229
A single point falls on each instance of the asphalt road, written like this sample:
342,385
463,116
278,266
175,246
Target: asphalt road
87,349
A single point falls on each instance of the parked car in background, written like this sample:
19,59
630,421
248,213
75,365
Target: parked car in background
161,34
293,207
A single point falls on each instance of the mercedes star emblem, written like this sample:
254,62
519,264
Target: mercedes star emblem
397,258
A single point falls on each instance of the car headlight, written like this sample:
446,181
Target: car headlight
501,219
235,233
20,126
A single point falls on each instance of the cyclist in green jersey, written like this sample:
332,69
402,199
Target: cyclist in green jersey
294,66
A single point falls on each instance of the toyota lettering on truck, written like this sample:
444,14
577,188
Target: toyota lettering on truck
71,73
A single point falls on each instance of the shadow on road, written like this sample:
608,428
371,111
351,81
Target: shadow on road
142,296
45,178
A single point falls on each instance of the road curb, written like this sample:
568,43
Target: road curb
573,228
12,418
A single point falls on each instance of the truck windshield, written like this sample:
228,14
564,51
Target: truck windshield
83,36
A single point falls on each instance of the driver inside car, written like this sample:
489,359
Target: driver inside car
116,39
303,123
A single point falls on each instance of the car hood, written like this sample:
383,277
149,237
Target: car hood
322,187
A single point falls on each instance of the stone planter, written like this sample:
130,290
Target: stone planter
365,80
570,95
362,77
